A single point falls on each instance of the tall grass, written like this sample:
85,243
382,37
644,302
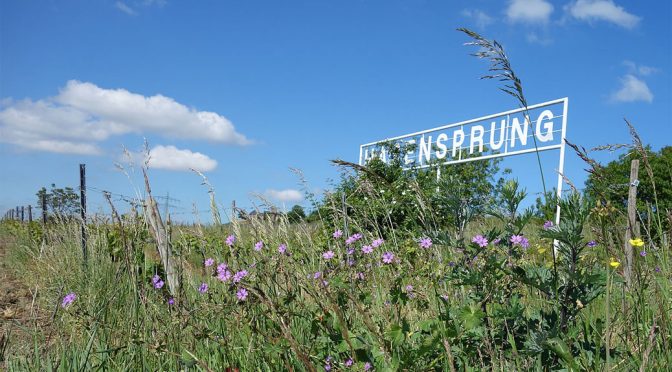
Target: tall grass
295,319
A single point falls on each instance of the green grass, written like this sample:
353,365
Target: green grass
489,319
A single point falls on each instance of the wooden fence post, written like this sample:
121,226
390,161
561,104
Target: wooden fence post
160,233
632,230
30,213
82,200
44,209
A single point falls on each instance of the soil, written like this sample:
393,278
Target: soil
19,311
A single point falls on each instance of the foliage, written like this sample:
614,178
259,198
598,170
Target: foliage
63,202
489,300
296,214
388,198
611,182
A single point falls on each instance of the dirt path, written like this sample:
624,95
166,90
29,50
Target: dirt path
18,310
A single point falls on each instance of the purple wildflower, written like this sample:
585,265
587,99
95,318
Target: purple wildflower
409,288
642,253
258,246
351,262
592,244
349,362
445,297
328,255
657,269
367,249
426,243
350,251
317,274
388,257
230,240
222,267
451,263
496,241
353,238
224,275
360,275
327,367
239,276
157,282
282,248
480,240
520,240
68,299
203,288
171,301
337,234
241,294
377,243
367,366
548,225
209,262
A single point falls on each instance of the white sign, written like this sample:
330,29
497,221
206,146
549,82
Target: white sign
493,136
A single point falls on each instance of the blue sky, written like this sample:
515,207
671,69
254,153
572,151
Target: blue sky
246,90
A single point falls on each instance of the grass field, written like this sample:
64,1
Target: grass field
269,295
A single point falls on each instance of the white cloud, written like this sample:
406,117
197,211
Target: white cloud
640,69
288,195
82,115
602,10
480,17
129,7
529,11
632,90
125,8
535,38
172,158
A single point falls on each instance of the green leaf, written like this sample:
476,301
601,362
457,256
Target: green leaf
471,316
395,335
560,348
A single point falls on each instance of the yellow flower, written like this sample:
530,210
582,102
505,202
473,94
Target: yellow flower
636,242
614,263
541,250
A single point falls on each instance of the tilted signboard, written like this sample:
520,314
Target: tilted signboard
498,135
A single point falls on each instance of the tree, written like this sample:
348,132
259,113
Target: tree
63,202
386,196
296,214
610,183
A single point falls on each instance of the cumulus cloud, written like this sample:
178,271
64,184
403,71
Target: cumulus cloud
174,159
529,11
288,195
632,89
602,10
82,115
481,18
